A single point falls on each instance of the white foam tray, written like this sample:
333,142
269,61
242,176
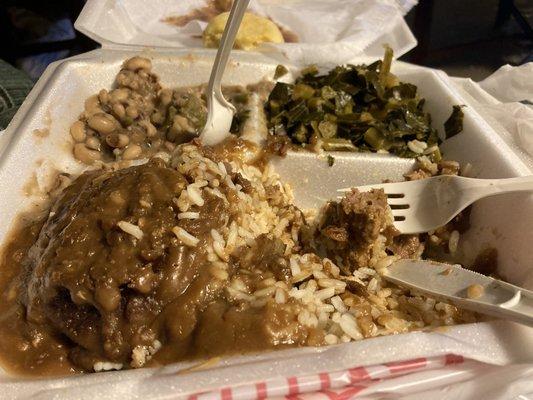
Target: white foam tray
503,222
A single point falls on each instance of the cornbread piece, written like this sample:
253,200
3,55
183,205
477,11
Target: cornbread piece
253,31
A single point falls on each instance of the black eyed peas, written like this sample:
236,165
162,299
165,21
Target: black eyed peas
119,110
151,130
93,143
119,95
132,112
117,140
78,132
92,106
132,152
103,123
137,118
86,155
137,63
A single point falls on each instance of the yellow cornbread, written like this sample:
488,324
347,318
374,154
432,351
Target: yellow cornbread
253,31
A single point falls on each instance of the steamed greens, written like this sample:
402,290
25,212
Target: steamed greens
354,108
454,124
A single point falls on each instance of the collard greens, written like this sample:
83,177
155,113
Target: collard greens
357,108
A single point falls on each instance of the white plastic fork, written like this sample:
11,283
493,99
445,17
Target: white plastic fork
426,204
220,111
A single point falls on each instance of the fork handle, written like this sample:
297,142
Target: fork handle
224,49
491,187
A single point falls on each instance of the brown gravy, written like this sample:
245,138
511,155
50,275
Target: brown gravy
77,290
25,350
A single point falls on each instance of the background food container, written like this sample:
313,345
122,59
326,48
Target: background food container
347,28
36,145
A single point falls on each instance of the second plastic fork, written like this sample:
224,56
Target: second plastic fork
426,204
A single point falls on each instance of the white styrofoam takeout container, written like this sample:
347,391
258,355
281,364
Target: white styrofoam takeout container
503,222
56,101
136,24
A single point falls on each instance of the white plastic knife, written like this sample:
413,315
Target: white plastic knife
464,288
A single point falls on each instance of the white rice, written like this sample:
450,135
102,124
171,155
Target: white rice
331,339
218,247
337,302
195,195
100,366
222,168
280,296
417,146
431,149
185,237
218,272
324,294
141,354
189,215
131,229
217,237
349,326
453,242
268,291
316,289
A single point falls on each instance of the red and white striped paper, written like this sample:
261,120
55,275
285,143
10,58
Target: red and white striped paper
339,385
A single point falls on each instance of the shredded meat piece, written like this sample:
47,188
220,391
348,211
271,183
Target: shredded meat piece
336,233
278,145
418,174
350,229
265,254
245,183
461,222
406,246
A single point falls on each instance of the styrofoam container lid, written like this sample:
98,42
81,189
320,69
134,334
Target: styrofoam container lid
333,31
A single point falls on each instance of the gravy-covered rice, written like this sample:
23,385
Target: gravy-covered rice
201,255
199,251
